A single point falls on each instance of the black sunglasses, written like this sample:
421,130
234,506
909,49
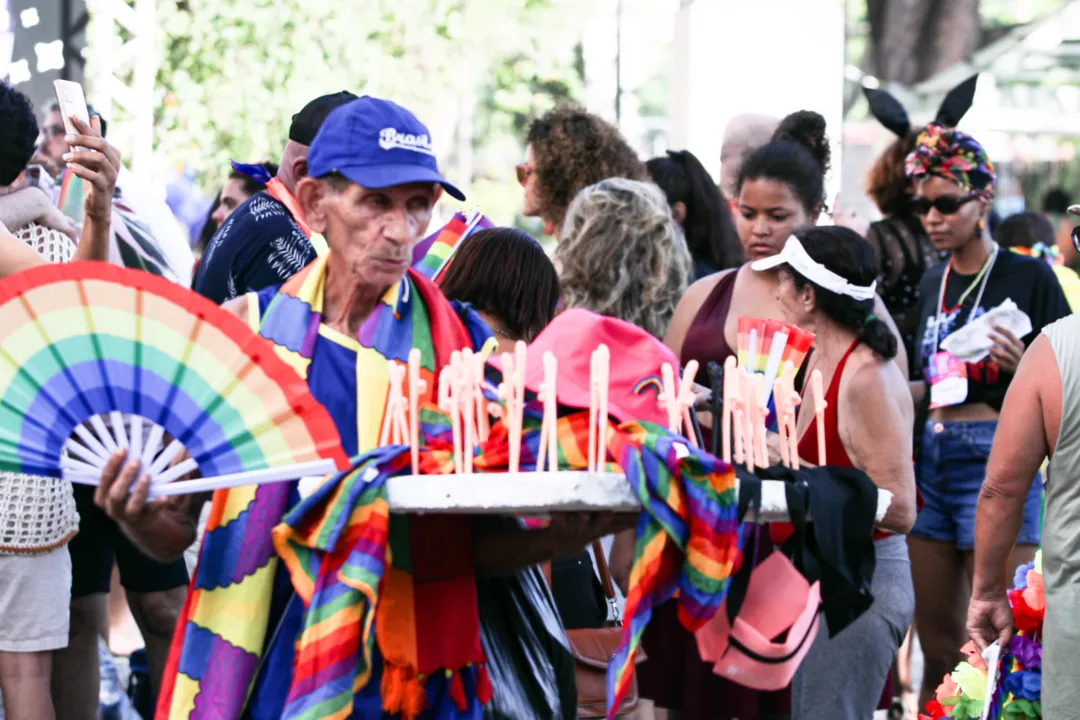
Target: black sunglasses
1076,237
946,204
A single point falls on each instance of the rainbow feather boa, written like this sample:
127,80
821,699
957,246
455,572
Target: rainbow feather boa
962,693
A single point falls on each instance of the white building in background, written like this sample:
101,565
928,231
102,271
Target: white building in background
765,56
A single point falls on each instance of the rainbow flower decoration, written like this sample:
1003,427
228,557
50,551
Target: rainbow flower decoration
962,693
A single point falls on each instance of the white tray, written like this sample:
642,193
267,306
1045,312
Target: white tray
543,492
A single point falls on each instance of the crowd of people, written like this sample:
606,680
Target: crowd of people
658,245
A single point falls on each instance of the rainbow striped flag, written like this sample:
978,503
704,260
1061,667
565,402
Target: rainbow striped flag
434,253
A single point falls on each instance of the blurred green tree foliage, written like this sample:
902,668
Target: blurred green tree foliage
232,73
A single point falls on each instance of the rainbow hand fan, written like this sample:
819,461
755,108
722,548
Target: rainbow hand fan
95,357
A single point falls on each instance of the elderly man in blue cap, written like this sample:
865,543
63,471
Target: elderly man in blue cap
373,182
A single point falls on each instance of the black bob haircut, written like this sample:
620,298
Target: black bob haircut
504,272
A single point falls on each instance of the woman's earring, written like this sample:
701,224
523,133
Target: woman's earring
982,225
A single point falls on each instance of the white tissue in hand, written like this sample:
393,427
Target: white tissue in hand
972,342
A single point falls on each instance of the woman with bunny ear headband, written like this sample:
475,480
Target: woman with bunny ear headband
902,246
962,391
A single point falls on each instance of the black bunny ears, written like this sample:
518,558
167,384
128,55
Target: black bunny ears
890,113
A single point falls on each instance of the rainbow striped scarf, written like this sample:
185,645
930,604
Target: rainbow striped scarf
687,537
220,639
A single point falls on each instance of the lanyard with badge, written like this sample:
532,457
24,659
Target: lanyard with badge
947,375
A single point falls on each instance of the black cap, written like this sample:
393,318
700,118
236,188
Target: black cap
306,123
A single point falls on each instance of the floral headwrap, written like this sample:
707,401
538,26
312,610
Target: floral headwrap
953,155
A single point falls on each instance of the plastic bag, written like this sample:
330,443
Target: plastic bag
529,660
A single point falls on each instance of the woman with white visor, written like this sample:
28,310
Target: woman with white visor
826,285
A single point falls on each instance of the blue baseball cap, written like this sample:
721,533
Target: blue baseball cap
377,144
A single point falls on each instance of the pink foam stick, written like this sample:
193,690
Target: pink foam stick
748,415
780,401
594,402
467,393
686,400
416,388
730,371
551,410
817,384
483,423
738,405
604,384
517,384
401,423
791,401
389,433
670,396
506,394
454,408
759,423
547,423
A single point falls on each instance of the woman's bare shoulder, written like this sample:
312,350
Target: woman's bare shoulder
701,289
870,375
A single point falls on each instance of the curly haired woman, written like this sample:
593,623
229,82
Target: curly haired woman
569,149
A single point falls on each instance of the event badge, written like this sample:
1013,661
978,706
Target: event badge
948,380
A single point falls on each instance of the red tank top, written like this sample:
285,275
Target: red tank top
835,452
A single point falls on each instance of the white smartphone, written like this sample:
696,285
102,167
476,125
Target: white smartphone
72,101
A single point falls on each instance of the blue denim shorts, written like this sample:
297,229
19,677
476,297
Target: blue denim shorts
950,473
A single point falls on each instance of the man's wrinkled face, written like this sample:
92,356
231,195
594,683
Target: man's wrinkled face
372,232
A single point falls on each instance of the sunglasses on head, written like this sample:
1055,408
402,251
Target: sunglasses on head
523,173
945,204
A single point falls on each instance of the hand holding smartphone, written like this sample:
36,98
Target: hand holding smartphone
93,159
72,101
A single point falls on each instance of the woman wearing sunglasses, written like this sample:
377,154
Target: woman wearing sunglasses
959,402
569,149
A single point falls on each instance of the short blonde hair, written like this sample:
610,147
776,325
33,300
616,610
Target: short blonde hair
621,254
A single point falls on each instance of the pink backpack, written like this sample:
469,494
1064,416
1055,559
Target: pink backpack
765,601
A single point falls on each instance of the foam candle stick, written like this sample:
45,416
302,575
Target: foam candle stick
594,401
400,431
548,423
686,400
670,401
791,401
738,407
782,402
401,428
466,393
389,427
483,424
749,414
551,409
506,393
449,374
416,388
759,423
602,389
517,384
730,370
817,384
